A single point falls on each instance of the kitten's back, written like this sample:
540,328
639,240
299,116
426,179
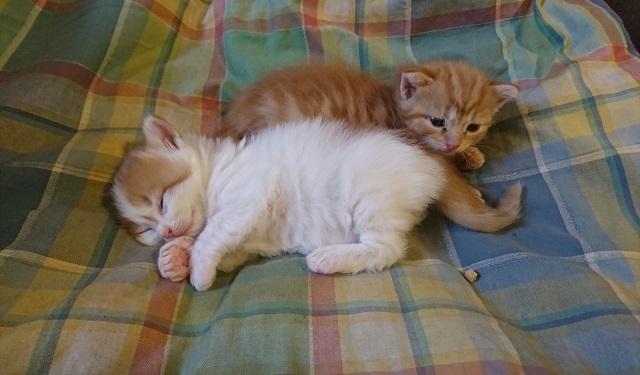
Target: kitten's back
295,93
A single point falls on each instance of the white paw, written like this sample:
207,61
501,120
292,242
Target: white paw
173,258
202,280
203,271
328,260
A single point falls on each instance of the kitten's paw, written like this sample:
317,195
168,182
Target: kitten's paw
332,259
173,258
202,281
318,262
470,159
353,258
203,271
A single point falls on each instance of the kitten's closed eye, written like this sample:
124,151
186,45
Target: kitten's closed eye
144,230
161,202
472,128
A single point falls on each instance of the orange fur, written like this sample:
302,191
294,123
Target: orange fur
456,92
459,94
333,91
143,177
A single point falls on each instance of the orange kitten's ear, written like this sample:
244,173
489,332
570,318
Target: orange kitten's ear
411,81
159,133
505,92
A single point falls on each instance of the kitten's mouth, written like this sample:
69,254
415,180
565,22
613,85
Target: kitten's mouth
185,230
449,152
191,231
441,148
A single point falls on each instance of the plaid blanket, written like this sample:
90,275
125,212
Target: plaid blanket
558,293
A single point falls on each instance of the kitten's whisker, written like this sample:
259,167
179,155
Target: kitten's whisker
483,145
493,75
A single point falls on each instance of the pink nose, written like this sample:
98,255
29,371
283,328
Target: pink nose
452,146
168,233
173,233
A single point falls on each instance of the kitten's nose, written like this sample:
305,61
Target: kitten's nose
451,146
168,233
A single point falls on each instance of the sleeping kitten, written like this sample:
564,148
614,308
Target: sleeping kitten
345,198
448,104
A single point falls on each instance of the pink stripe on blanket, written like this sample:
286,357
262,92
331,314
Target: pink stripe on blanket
325,331
150,351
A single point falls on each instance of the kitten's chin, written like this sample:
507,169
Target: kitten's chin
437,146
194,230
188,231
441,148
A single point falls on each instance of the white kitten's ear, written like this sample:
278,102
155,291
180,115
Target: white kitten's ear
411,81
505,91
159,133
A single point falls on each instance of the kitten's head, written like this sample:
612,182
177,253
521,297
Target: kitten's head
157,191
450,104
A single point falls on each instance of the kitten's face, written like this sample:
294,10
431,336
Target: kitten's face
156,190
450,104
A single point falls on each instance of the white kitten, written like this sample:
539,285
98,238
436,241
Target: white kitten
344,198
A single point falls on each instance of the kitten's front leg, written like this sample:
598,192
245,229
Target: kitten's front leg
469,159
223,233
205,256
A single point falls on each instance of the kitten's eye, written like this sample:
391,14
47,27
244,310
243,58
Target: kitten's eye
162,203
437,122
472,128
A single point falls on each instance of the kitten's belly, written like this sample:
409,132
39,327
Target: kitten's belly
262,246
303,235
290,233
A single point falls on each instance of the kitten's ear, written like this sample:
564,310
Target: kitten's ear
505,92
411,81
159,133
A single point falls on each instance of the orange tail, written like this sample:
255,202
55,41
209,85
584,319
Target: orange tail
463,204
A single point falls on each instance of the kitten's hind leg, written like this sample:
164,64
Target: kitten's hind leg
374,252
173,259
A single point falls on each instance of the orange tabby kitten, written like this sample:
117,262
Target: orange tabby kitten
448,106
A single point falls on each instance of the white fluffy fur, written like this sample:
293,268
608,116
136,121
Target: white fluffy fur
344,199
